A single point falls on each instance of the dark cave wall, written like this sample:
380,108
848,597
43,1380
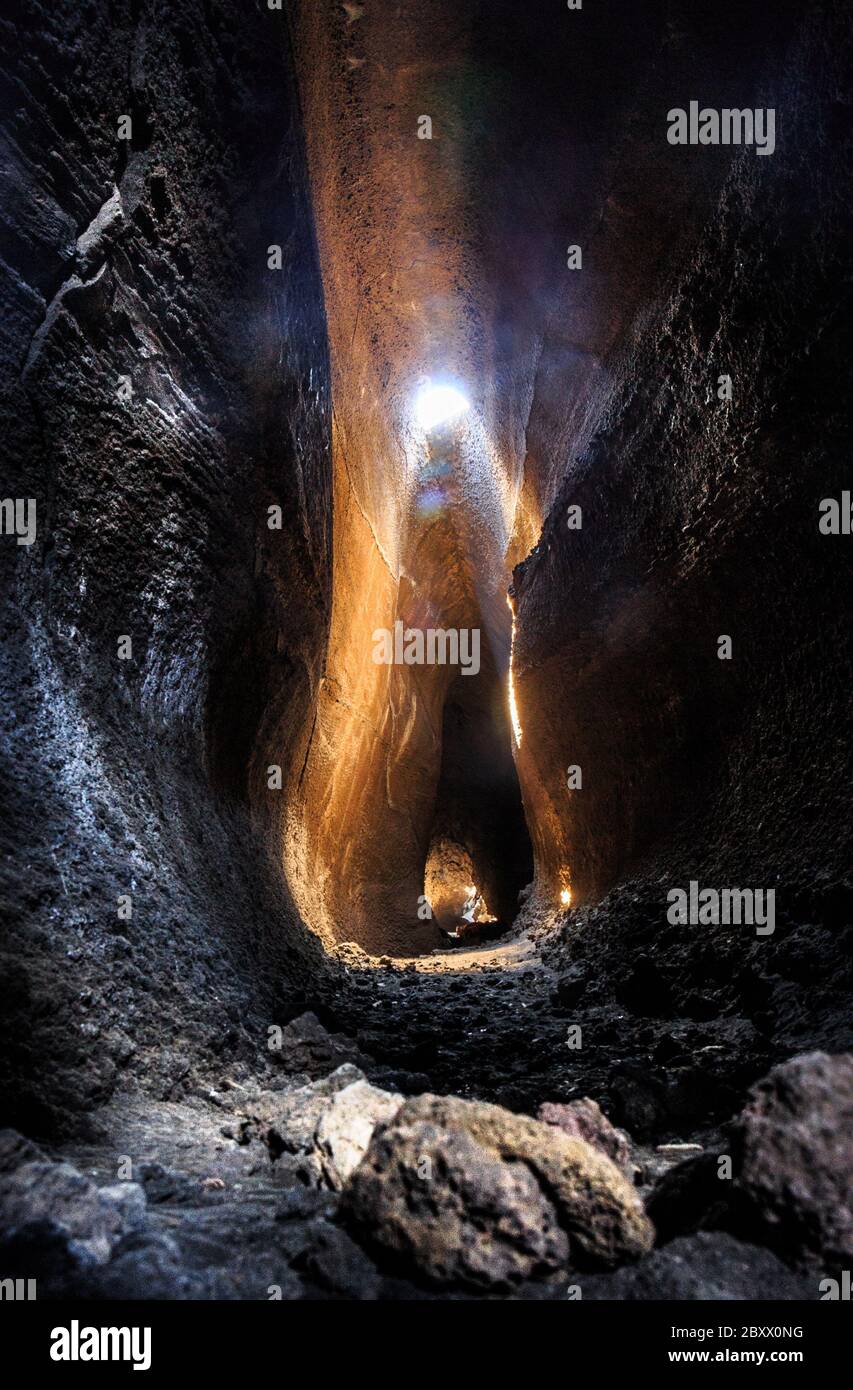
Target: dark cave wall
700,518
477,804
149,776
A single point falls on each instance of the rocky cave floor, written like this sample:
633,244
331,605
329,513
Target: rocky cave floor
300,1176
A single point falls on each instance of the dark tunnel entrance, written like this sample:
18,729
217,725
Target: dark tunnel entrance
480,855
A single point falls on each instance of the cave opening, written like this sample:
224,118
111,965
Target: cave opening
479,844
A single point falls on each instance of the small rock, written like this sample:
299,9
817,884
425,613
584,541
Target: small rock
346,1127
163,1184
15,1151
320,1132
308,1047
288,1119
584,1119
129,1200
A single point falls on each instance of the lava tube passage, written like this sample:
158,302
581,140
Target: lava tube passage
426,668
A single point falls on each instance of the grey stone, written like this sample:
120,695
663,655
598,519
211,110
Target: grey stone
58,1193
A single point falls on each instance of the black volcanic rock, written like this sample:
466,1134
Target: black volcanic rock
706,1267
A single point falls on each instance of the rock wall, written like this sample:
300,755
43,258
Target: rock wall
700,519
445,203
164,388
421,525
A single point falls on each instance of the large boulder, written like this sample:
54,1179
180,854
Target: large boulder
793,1157
789,1180
467,1193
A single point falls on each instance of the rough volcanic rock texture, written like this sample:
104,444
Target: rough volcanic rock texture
583,1119
470,1193
419,525
783,1174
92,1220
700,520
163,388
793,1151
707,1268
167,387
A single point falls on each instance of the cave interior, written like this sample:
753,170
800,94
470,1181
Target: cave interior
440,561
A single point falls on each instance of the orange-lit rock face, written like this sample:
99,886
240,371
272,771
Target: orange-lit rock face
445,258
422,522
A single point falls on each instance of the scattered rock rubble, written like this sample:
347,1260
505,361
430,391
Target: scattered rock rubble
335,1188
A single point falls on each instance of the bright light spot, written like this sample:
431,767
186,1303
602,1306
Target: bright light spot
513,711
513,703
566,897
475,909
438,405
